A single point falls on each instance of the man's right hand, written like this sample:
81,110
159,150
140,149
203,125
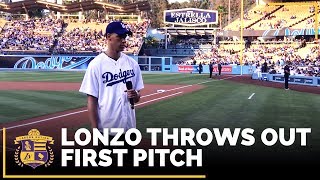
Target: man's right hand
93,111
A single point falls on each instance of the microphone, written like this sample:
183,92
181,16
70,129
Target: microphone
129,87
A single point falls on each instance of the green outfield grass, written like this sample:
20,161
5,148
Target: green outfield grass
220,104
19,105
42,76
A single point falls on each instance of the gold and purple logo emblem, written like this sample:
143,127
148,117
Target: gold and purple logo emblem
34,149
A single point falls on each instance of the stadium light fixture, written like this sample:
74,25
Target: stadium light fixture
154,31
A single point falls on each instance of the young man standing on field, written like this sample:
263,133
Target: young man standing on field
105,83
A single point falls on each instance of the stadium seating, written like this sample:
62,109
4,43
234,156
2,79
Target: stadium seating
283,17
252,16
29,35
44,35
264,17
89,37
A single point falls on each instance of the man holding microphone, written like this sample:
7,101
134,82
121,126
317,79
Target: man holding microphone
106,82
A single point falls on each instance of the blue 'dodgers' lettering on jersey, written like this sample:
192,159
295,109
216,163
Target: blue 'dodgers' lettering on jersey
112,79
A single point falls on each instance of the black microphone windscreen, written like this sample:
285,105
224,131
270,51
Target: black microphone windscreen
129,85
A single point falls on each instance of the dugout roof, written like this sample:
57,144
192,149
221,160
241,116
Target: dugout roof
187,31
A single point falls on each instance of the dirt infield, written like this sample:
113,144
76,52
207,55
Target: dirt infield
51,124
246,79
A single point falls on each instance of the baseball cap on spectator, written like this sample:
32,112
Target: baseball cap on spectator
119,28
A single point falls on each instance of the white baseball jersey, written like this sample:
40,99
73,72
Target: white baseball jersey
106,79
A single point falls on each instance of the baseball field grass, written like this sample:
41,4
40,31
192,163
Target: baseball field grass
220,104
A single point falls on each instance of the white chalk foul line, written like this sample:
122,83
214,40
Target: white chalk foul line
139,104
77,112
44,120
227,78
251,95
204,82
230,77
166,91
213,80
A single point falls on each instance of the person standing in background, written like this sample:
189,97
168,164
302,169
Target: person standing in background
286,76
258,71
200,68
265,67
210,69
219,68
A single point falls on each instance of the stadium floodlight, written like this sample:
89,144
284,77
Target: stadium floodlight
154,31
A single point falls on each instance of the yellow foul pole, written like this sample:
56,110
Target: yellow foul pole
241,34
316,31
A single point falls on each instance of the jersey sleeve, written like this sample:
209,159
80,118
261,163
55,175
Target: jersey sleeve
90,85
139,81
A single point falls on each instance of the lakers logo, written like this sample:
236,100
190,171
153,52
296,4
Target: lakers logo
34,150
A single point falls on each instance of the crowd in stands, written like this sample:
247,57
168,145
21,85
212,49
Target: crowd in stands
81,39
215,54
269,17
41,34
88,39
33,34
273,56
85,21
298,66
252,16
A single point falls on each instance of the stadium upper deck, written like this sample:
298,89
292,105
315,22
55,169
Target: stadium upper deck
85,5
266,17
